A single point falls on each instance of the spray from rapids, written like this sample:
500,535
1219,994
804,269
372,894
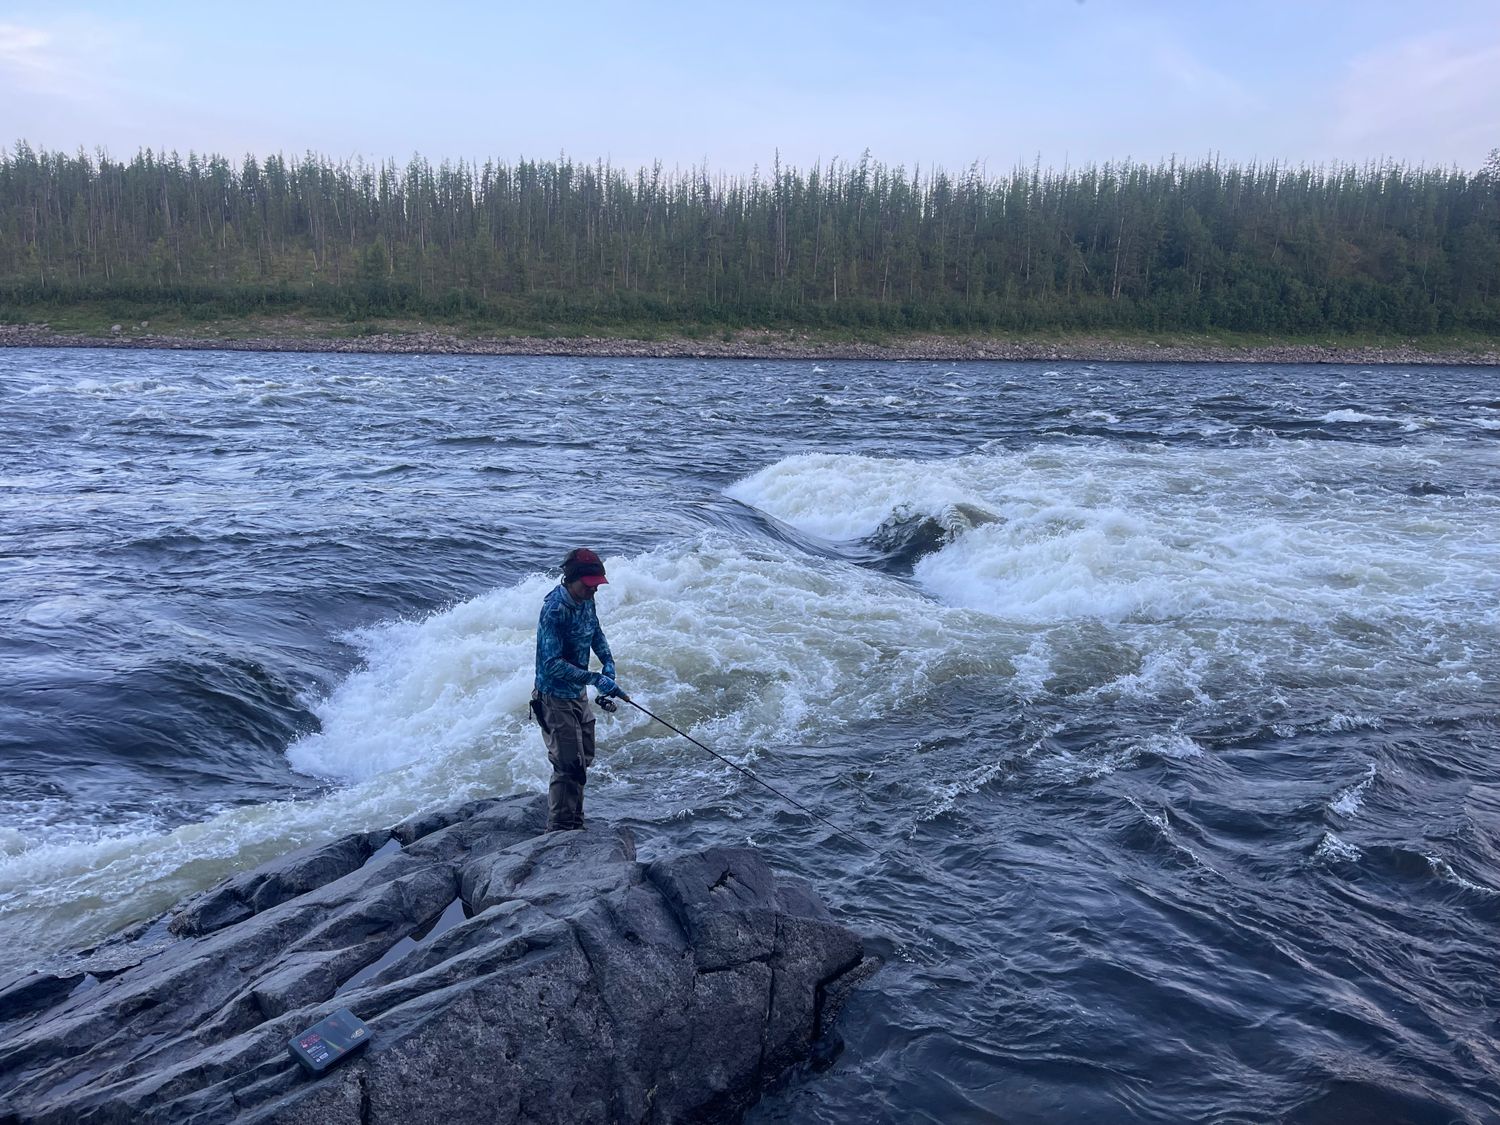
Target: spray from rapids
1196,573
741,646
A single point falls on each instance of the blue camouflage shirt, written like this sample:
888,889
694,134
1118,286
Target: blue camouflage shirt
566,631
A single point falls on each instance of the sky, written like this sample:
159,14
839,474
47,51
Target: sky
730,87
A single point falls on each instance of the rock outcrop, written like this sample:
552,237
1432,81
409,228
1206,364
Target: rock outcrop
505,975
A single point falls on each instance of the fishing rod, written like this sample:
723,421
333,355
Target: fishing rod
605,701
914,861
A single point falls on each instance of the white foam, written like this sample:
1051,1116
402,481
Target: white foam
845,496
1444,870
1159,534
1163,826
1156,820
947,794
752,644
1177,746
1348,801
1186,575
1167,668
737,647
1353,416
1032,669
456,683
1331,849
115,388
1342,722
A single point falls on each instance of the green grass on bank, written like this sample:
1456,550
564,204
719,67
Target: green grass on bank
1448,343
139,319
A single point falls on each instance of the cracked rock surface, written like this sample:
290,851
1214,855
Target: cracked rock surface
505,975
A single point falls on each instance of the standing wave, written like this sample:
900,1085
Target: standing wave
740,643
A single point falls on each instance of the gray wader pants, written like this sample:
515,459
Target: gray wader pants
568,732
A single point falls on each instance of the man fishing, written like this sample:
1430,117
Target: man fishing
567,630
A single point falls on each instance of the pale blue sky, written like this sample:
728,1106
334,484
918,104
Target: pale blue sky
949,83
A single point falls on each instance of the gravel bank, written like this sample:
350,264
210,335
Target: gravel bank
759,345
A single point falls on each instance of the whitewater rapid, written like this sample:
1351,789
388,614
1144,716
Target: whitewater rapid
1199,580
1166,695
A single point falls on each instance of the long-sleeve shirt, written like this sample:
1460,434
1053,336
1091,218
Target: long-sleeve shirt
565,632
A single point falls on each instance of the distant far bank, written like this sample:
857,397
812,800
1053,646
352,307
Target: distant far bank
284,334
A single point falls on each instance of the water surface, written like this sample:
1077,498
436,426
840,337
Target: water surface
1167,694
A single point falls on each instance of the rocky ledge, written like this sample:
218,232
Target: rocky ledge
505,976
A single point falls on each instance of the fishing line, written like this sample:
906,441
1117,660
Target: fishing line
750,774
912,860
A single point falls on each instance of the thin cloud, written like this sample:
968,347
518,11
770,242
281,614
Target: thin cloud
80,81
75,59
1193,76
26,52
1165,60
1434,97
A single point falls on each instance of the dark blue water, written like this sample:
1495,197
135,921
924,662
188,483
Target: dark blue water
1167,694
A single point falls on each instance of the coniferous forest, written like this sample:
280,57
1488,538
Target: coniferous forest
1264,248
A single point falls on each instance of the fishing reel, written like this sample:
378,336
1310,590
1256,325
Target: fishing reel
606,704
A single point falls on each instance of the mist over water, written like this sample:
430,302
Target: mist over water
1166,694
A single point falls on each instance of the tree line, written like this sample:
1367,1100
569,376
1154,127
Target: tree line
1383,247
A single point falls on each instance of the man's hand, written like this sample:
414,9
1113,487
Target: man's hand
607,687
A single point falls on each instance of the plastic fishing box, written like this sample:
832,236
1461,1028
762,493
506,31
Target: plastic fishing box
329,1040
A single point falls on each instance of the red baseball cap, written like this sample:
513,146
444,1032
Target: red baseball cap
585,566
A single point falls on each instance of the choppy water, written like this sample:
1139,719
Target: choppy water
1169,694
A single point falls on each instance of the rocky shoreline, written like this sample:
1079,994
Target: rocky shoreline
761,344
505,975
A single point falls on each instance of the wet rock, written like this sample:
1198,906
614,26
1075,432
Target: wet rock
567,982
275,882
1427,488
25,993
907,536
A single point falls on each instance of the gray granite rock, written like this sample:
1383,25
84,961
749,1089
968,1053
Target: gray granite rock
506,976
291,875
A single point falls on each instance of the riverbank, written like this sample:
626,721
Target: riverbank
288,335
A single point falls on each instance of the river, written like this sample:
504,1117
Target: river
1162,701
